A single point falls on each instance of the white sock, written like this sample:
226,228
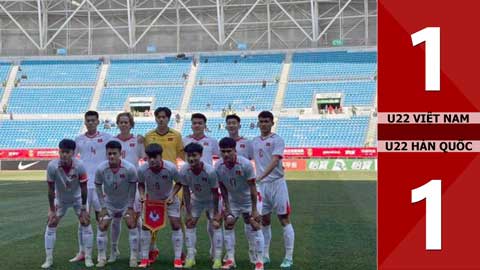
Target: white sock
210,236
229,238
139,228
217,243
115,233
145,243
102,244
133,240
259,242
80,239
267,235
87,239
191,241
247,228
289,239
50,236
177,242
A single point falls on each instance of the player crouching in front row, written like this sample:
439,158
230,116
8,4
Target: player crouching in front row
200,178
116,180
158,176
67,178
236,178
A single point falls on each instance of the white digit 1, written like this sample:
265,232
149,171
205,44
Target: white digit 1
432,192
431,36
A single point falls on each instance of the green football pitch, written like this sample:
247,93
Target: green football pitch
334,222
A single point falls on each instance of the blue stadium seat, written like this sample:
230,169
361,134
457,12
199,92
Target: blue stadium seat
114,98
140,127
239,96
37,133
359,93
61,73
217,133
4,70
324,132
148,71
251,68
333,65
50,100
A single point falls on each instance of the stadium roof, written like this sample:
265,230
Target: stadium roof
89,27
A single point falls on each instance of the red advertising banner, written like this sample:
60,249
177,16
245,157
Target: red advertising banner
295,164
46,153
346,152
290,152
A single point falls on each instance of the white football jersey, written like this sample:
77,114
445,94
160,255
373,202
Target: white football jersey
236,179
201,184
244,148
67,182
116,183
132,151
92,152
210,147
263,151
158,185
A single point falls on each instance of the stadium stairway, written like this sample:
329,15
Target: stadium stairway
187,94
99,86
282,86
372,129
10,84
370,138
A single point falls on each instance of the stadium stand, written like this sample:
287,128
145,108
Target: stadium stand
240,68
148,71
49,100
234,80
4,69
24,134
140,127
114,98
359,93
333,65
216,132
239,96
58,73
323,132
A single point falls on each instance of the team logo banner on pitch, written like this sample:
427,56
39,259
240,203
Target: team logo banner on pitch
155,215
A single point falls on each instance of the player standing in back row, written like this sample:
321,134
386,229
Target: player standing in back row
268,151
244,146
209,144
91,147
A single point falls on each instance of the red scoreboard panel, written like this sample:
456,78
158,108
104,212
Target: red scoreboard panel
428,134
